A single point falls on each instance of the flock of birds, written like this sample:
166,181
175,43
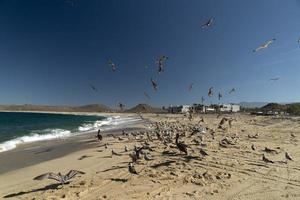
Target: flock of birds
168,135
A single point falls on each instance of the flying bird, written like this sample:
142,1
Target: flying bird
210,92
93,88
161,63
112,65
232,90
62,179
191,87
274,79
154,84
264,45
220,96
146,95
208,23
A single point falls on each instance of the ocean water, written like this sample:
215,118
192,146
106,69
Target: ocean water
17,127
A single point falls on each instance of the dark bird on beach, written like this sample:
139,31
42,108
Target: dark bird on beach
253,147
112,65
146,95
274,79
99,136
208,23
93,88
154,84
191,87
131,169
210,92
288,157
264,45
232,90
126,148
62,179
180,145
220,96
203,153
106,145
266,159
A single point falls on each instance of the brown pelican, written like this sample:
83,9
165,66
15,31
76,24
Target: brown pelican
210,92
180,145
208,23
288,157
266,159
112,65
154,84
131,169
264,45
59,177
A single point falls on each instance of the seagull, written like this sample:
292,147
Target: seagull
62,179
266,159
112,65
146,95
208,23
220,96
264,45
93,88
131,169
287,156
191,87
253,147
232,90
154,84
274,79
210,92
180,145
106,145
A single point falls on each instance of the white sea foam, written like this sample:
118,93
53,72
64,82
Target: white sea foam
50,134
54,134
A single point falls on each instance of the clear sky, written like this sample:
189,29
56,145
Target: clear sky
51,50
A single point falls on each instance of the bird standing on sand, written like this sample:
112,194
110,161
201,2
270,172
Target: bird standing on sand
288,157
62,179
154,84
131,169
112,65
210,92
126,148
203,153
180,145
99,136
266,159
264,45
208,23
253,147
121,106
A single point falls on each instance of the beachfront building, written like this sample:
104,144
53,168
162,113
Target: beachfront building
229,108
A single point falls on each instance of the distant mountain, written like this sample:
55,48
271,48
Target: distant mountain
29,107
252,104
145,108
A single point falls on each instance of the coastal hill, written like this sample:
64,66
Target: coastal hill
145,108
29,107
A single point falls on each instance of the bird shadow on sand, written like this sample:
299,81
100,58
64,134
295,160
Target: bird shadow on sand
113,168
48,187
44,151
166,163
122,180
84,157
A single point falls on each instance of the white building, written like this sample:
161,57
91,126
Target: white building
185,108
229,108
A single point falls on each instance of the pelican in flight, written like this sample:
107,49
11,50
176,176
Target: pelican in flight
62,179
210,92
264,45
112,65
191,87
154,84
232,90
208,23
274,79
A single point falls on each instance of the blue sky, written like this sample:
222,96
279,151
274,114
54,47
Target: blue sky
51,51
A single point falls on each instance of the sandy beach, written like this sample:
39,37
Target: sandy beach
231,170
